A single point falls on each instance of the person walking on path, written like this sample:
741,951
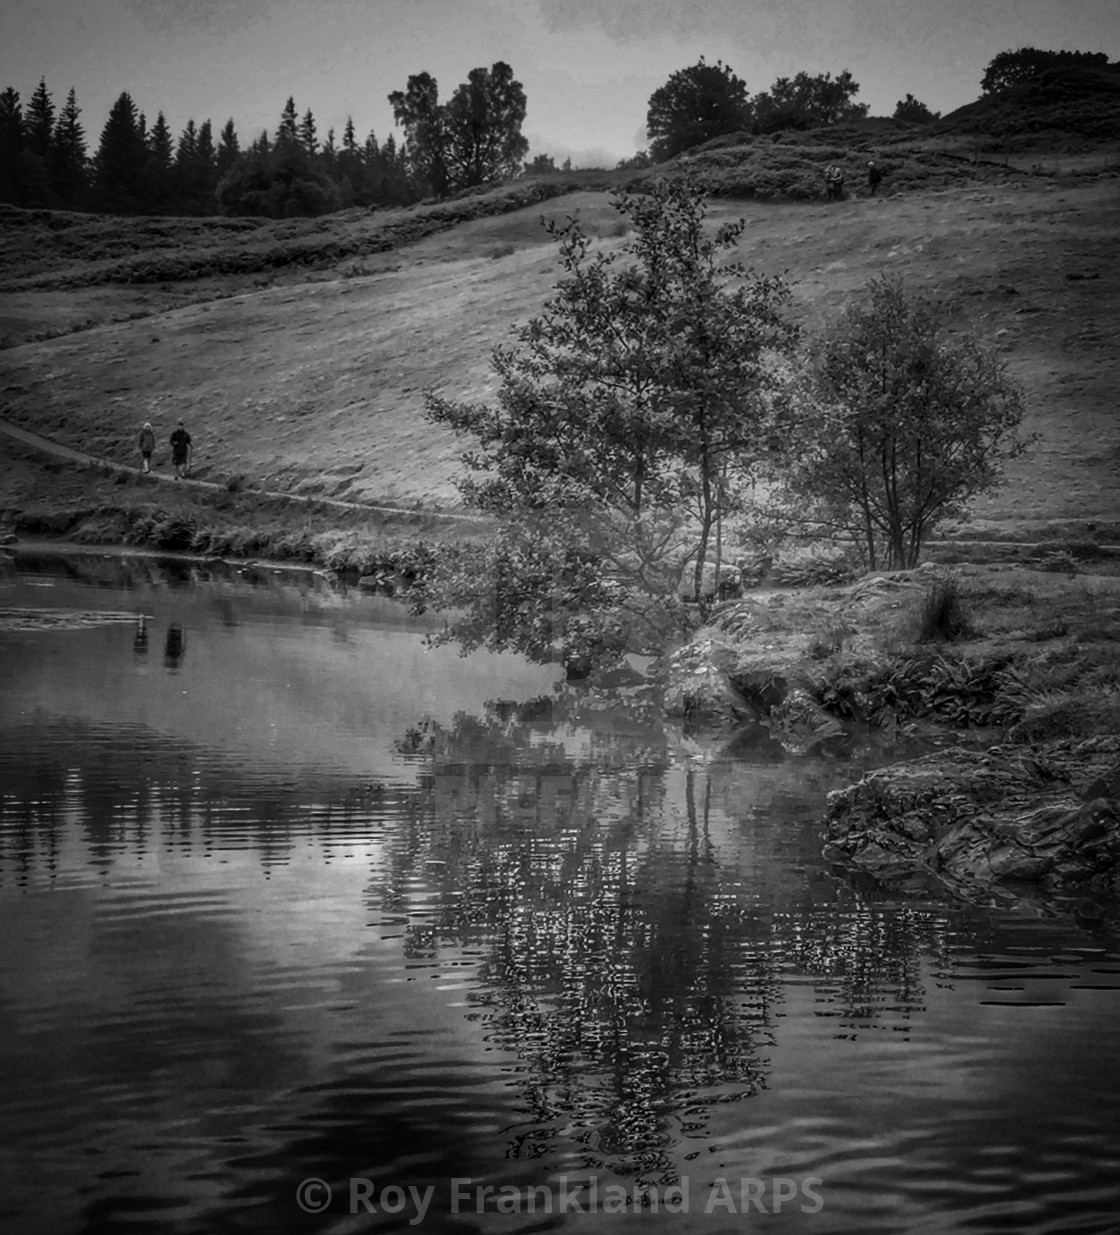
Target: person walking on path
181,450
834,182
147,445
874,175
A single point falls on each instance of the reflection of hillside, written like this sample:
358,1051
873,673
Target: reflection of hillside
636,922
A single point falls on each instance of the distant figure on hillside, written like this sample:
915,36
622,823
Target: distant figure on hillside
181,450
147,445
874,176
834,182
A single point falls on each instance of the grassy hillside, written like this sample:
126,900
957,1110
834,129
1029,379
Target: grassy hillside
306,371
1059,108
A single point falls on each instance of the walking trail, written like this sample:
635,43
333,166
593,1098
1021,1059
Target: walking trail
47,446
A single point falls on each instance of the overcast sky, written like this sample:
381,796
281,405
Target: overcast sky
588,66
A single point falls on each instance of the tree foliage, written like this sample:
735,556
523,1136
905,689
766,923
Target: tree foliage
1009,68
808,102
696,104
277,182
914,111
627,420
897,424
472,139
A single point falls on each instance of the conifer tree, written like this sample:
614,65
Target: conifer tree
328,155
160,165
68,170
307,137
288,132
121,158
13,177
39,121
229,149
207,168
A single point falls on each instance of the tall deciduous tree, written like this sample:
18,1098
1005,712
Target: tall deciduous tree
625,423
473,138
417,110
899,423
695,105
484,119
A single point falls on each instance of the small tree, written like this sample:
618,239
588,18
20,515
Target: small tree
1009,68
897,425
695,105
540,165
806,101
914,111
625,422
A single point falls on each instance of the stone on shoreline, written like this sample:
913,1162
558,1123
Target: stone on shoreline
1046,815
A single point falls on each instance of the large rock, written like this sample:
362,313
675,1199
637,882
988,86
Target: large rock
698,688
978,820
800,723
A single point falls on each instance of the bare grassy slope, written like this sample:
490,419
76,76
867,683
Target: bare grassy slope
317,385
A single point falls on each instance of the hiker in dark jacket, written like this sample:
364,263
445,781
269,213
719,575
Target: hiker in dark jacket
874,176
181,450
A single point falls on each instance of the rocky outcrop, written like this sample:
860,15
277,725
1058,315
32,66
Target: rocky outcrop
1047,816
800,723
698,689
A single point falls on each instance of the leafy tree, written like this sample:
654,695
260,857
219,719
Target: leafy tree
276,182
119,164
13,155
68,165
806,101
1009,68
417,110
695,105
898,424
540,165
914,111
484,119
626,421
472,139
636,162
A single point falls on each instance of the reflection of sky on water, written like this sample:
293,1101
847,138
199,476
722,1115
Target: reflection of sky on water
307,905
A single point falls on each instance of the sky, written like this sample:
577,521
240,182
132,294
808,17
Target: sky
588,66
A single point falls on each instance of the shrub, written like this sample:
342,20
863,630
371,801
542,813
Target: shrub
941,616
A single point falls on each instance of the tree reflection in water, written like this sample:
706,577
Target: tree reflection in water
632,964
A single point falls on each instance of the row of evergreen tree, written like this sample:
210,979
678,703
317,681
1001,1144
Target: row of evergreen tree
141,168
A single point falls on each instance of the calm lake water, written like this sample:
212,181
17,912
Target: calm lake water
287,897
